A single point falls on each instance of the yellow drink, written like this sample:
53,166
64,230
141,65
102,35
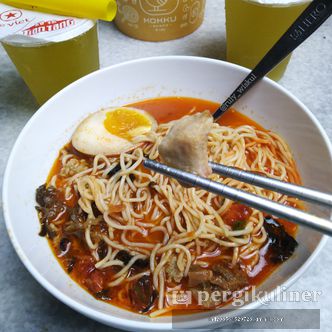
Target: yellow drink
253,27
48,67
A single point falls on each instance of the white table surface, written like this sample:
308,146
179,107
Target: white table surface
24,304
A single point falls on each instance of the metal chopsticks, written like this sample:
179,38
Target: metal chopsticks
306,194
257,202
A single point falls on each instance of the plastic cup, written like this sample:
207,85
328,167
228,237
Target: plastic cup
254,26
48,67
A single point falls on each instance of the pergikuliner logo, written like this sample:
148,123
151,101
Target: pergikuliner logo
183,299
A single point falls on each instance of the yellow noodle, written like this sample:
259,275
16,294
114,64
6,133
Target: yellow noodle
190,219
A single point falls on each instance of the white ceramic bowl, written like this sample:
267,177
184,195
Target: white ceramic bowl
51,127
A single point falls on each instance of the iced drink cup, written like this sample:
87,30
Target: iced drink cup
254,26
52,51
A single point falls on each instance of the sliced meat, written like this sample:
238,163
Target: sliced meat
186,145
197,275
222,275
95,281
92,278
282,245
229,278
173,273
203,295
218,283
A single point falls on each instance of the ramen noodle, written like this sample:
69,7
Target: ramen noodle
131,237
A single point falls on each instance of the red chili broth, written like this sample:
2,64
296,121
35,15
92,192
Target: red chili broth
163,110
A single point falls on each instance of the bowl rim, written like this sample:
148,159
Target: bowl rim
109,318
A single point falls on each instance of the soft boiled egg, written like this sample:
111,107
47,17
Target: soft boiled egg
112,131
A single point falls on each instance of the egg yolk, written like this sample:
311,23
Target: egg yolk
127,123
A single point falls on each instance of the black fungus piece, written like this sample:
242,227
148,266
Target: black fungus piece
141,263
43,229
40,193
132,177
103,295
55,210
77,215
95,210
123,256
114,170
49,209
45,197
71,264
152,184
142,294
103,227
42,220
64,245
152,188
75,224
151,303
75,229
102,249
51,233
281,244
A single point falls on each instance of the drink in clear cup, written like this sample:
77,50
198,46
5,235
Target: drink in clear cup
49,51
254,26
48,67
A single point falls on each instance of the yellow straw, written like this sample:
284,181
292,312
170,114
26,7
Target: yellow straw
92,9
